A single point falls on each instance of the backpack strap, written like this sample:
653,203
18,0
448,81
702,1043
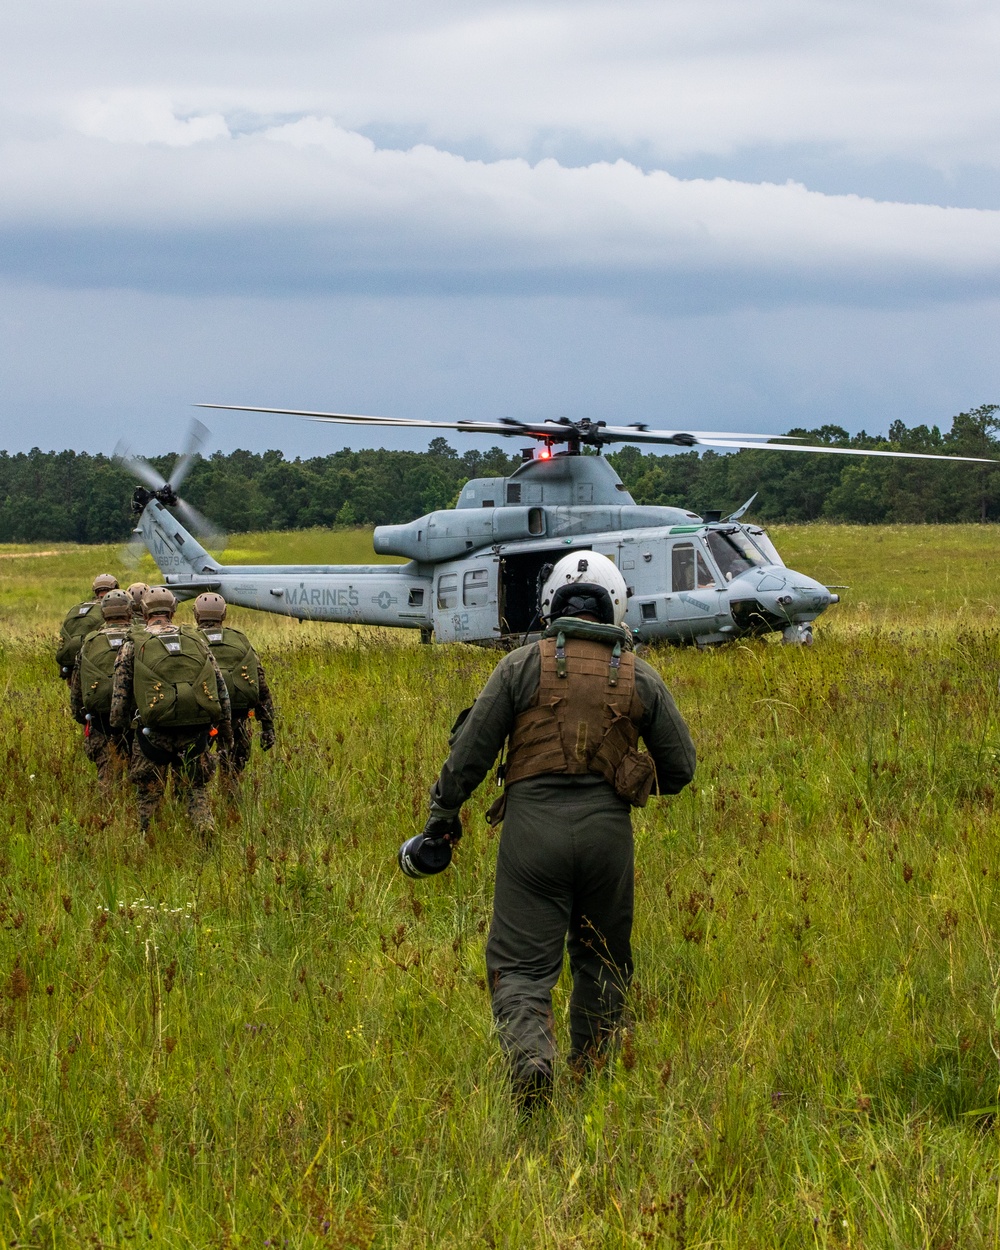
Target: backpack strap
561,655
614,664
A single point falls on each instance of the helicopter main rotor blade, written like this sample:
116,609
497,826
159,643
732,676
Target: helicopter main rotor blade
137,466
195,441
730,444
597,433
508,427
133,551
210,534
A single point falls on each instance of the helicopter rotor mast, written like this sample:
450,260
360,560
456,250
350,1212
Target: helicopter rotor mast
596,433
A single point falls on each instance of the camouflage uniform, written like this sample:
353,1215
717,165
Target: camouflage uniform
249,693
565,864
234,761
82,619
106,749
157,753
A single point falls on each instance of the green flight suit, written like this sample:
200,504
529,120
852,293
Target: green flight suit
565,865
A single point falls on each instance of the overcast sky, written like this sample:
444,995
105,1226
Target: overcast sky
700,213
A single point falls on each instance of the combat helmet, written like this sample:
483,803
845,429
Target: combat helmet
104,582
116,605
209,608
158,600
137,590
589,583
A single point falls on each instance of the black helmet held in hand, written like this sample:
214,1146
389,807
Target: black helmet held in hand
421,856
429,852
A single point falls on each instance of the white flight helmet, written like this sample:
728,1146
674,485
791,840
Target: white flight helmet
584,582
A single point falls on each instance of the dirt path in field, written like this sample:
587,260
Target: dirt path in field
26,555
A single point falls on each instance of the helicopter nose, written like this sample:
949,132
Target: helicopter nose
801,598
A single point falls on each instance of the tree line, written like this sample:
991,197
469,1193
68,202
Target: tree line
72,496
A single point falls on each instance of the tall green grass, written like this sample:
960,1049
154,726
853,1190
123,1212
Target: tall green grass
283,1041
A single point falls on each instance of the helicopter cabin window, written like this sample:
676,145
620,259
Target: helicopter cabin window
513,492
447,596
734,552
416,598
476,588
689,569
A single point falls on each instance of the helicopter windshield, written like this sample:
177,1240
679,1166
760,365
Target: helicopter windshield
761,540
734,552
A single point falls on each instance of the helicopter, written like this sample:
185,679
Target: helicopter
472,572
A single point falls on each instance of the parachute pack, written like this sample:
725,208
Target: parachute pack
174,680
97,665
80,621
238,661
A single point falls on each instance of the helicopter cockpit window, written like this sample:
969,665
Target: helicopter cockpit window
734,552
476,588
761,540
447,595
689,569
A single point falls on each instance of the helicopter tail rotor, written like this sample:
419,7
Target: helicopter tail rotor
154,486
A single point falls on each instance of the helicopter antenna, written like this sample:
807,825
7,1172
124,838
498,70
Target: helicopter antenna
735,516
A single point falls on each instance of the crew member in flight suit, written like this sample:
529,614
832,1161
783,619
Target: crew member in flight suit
573,707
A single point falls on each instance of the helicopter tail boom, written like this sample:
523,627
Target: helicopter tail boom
174,549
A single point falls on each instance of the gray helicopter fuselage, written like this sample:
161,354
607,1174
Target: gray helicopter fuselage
472,571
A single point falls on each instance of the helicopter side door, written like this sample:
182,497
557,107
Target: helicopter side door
696,600
465,600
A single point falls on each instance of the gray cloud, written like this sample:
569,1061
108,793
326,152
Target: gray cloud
309,203
895,79
587,207
82,368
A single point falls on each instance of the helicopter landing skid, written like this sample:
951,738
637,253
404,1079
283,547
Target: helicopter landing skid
798,635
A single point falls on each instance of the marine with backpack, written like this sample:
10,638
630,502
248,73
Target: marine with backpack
168,685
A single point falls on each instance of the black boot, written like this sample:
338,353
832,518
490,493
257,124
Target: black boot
532,1090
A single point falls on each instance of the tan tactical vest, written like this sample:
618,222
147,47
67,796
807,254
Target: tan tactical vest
583,719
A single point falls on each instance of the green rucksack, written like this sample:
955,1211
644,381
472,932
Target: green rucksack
238,661
97,665
80,621
174,680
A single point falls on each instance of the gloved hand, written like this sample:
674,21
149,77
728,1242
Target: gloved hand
266,737
447,827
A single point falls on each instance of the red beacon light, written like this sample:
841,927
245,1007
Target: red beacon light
545,453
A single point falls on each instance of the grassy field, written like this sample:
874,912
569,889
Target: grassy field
283,1042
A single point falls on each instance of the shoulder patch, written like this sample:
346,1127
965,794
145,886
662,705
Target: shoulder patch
171,645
